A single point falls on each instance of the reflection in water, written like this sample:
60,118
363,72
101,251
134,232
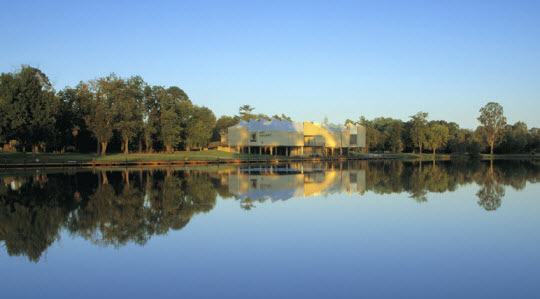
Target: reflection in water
113,208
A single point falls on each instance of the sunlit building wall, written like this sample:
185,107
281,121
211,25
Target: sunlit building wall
283,137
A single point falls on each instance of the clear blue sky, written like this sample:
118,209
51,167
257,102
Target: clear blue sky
307,59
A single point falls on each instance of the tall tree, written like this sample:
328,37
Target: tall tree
29,104
418,129
69,118
197,123
222,124
169,121
178,94
102,110
129,104
437,137
492,122
245,112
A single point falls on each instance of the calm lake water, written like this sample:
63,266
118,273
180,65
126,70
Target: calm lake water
353,230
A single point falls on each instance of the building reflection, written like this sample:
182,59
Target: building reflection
129,206
274,184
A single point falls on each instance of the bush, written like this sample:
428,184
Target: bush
474,148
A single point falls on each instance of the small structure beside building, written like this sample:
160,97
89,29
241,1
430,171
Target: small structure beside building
283,137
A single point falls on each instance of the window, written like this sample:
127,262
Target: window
353,139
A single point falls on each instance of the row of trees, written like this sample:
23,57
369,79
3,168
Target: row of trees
100,111
417,134
131,115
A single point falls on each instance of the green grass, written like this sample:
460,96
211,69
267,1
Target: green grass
413,157
12,157
510,156
430,157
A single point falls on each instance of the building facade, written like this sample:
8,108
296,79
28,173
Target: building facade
283,137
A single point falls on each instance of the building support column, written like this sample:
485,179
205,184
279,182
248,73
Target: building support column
249,149
302,151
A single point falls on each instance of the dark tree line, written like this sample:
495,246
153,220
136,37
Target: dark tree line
130,115
124,112
418,134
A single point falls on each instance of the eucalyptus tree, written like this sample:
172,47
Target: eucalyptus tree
198,127
245,112
168,119
70,116
418,129
492,122
436,137
129,104
101,108
177,94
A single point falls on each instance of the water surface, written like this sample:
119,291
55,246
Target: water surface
363,230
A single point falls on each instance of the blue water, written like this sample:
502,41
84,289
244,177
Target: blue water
367,244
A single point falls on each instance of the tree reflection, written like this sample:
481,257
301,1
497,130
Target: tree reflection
32,214
491,192
115,208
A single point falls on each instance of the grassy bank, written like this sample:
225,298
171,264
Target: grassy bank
11,157
430,157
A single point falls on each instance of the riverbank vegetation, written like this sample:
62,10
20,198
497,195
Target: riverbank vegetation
128,115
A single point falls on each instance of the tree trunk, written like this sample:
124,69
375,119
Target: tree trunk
98,151
63,150
492,148
140,146
103,148
104,180
126,147
420,147
168,149
433,151
34,149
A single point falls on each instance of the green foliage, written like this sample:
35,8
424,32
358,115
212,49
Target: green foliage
515,139
474,148
28,105
492,122
101,109
436,136
121,111
222,124
419,129
244,112
282,117
197,126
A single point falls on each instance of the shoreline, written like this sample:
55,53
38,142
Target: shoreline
184,159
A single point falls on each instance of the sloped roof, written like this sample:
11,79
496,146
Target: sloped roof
271,125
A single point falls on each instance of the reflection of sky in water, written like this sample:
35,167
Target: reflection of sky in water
361,246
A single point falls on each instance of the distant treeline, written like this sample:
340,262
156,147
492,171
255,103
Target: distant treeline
129,115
